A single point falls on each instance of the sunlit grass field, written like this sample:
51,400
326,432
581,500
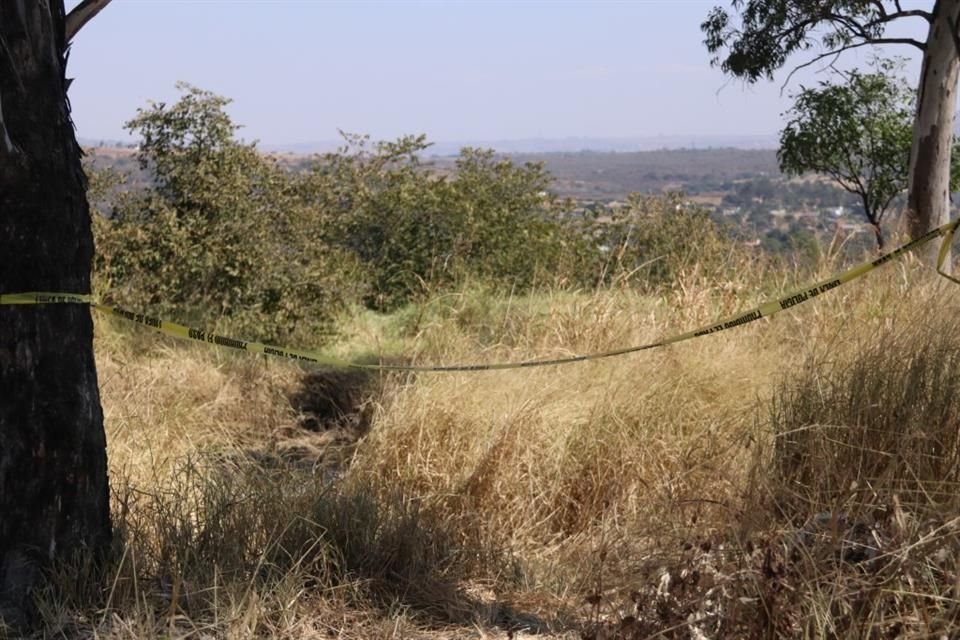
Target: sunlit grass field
794,477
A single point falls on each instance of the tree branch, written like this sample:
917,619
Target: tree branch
922,46
857,29
882,10
861,29
856,45
912,13
855,177
868,211
885,206
81,15
909,13
842,180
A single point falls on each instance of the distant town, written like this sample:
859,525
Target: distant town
742,189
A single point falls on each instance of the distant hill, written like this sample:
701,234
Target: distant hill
98,143
584,175
558,145
611,168
595,175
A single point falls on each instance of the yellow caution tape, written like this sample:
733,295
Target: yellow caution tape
765,310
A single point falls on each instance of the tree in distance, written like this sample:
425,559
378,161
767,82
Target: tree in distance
858,133
769,32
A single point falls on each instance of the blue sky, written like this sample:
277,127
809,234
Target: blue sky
483,70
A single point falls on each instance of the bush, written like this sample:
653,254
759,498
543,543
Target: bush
652,241
419,232
224,235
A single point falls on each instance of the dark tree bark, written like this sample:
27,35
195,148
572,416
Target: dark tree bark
53,463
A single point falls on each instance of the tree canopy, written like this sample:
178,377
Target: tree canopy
857,132
770,31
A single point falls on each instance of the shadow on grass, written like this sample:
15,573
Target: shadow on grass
217,539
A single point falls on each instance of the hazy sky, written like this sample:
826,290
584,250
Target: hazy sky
483,70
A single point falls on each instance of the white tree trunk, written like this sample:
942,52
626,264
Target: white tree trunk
928,203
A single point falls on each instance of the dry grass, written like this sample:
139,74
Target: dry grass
792,478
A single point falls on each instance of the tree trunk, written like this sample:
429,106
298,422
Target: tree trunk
54,499
878,234
874,219
928,202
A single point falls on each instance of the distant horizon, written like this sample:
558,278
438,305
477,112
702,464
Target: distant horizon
566,144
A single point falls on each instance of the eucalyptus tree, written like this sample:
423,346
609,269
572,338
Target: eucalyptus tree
53,462
769,32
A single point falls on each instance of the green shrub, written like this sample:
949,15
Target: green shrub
419,232
224,235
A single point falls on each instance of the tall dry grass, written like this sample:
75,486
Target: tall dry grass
723,486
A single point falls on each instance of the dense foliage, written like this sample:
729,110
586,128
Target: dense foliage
418,231
223,232
220,232
753,38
